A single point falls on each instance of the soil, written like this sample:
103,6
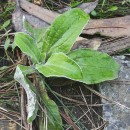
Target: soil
87,115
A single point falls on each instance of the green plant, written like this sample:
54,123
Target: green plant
75,3
7,9
5,15
109,9
51,56
4,25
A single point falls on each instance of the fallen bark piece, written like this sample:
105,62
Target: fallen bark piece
19,15
47,15
87,43
115,46
112,46
114,27
44,14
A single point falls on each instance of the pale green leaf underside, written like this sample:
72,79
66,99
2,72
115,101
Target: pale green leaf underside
32,107
59,65
27,46
96,66
36,33
62,33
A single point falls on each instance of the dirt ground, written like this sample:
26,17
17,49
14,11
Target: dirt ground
86,112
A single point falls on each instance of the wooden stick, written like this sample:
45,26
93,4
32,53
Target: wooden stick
113,27
44,14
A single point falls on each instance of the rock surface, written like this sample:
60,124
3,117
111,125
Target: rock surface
119,91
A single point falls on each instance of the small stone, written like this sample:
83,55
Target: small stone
117,115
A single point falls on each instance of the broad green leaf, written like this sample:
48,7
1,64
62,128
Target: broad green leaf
27,46
28,27
96,66
20,76
54,119
60,65
62,33
36,33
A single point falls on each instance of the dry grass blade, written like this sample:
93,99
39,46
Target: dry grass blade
69,99
3,109
69,121
23,108
101,127
91,120
12,120
7,70
106,98
78,119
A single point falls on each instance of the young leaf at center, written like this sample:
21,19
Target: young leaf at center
62,33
